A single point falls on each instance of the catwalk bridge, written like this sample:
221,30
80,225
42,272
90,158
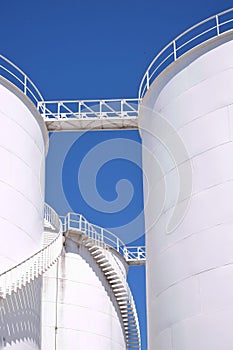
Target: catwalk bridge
123,113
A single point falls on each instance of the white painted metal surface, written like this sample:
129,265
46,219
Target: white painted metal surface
74,114
20,291
20,317
110,309
78,304
194,36
23,139
31,268
133,255
190,269
17,77
90,114
22,153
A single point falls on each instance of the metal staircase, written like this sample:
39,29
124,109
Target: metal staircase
79,115
29,269
99,242
116,279
95,243
133,255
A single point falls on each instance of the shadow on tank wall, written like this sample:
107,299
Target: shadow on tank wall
20,316
73,246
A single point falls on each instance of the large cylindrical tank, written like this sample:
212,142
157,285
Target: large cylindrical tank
190,265
23,144
79,307
23,140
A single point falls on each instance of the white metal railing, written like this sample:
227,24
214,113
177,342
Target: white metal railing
35,265
135,253
18,78
51,217
78,109
102,236
209,28
53,111
131,327
137,326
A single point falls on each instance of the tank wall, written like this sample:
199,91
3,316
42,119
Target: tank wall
20,318
78,305
22,154
190,269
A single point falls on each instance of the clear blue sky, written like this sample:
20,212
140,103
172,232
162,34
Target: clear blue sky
90,49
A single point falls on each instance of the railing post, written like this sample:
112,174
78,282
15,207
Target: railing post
79,108
102,235
68,221
217,25
118,245
125,250
25,85
43,108
100,110
122,107
147,80
138,253
174,50
59,110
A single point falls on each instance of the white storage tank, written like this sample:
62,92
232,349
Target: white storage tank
79,307
23,139
23,145
190,265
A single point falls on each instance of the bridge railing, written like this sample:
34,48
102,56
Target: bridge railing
82,109
68,109
209,28
135,253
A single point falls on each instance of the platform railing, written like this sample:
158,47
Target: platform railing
29,269
67,109
75,221
51,217
135,253
209,28
83,109
17,77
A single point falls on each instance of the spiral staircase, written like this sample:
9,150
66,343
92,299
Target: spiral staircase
95,239
99,242
29,269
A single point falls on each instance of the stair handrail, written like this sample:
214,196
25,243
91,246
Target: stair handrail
34,266
78,221
130,298
52,217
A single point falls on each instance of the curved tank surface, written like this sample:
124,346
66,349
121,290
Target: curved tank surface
79,306
190,263
23,139
22,154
